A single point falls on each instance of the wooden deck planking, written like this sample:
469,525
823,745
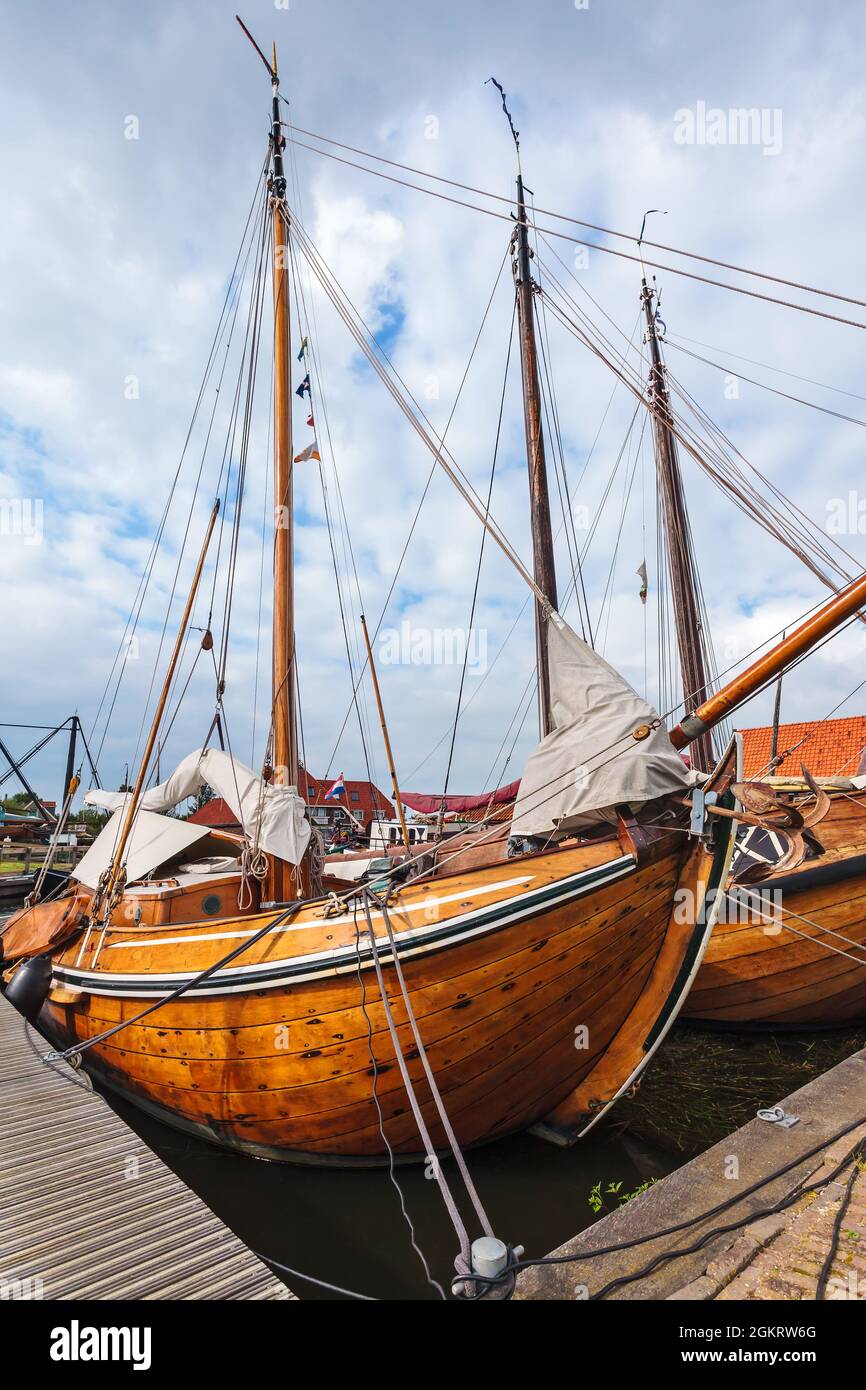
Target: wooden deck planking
88,1211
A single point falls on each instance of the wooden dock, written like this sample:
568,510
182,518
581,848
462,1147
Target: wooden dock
87,1211
764,1256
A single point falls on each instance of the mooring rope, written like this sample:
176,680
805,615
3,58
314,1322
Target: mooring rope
464,1260
428,1072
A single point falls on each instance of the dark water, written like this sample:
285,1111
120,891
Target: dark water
345,1226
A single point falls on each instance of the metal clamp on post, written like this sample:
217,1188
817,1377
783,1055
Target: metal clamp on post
700,801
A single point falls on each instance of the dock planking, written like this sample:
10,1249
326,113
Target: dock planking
87,1210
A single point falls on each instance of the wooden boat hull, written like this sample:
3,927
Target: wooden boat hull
541,986
787,972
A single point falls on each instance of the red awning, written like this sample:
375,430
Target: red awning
417,801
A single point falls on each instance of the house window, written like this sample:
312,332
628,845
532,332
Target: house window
355,796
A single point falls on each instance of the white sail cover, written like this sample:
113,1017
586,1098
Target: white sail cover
154,840
589,763
272,817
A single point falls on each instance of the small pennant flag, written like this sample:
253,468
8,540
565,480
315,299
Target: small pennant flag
644,583
311,452
304,345
304,386
309,419
338,789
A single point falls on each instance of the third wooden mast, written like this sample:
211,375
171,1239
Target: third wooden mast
683,582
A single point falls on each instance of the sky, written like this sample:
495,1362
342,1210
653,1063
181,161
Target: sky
134,135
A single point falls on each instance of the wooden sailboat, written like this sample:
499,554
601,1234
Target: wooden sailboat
536,986
792,951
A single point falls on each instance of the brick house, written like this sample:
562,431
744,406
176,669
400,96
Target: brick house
362,799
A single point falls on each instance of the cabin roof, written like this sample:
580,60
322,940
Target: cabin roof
832,747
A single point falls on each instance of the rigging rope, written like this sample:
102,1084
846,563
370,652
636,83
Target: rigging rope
374,1068
786,395
743,498
225,319
559,216
469,631
424,492
605,250
416,417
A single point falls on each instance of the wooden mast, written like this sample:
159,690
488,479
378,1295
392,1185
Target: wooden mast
544,568
282,882
398,800
679,555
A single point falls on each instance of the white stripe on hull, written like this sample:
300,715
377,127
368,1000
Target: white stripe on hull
411,943
422,906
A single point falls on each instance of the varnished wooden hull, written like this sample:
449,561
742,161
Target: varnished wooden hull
759,974
505,967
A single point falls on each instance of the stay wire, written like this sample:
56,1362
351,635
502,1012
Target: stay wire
563,217
470,629
138,602
424,493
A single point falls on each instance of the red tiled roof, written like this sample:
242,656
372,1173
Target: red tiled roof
832,747
217,814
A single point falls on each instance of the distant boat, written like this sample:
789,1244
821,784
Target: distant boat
792,952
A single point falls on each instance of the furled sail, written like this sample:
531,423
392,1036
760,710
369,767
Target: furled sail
590,762
272,816
430,803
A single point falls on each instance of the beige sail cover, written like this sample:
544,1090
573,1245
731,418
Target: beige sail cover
590,763
272,816
154,840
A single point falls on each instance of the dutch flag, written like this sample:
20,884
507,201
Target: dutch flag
338,789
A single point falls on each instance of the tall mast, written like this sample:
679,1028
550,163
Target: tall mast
677,546
283,680
544,569
283,881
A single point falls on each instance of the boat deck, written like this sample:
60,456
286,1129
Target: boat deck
87,1211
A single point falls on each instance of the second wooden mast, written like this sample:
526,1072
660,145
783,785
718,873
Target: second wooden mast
283,881
539,497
